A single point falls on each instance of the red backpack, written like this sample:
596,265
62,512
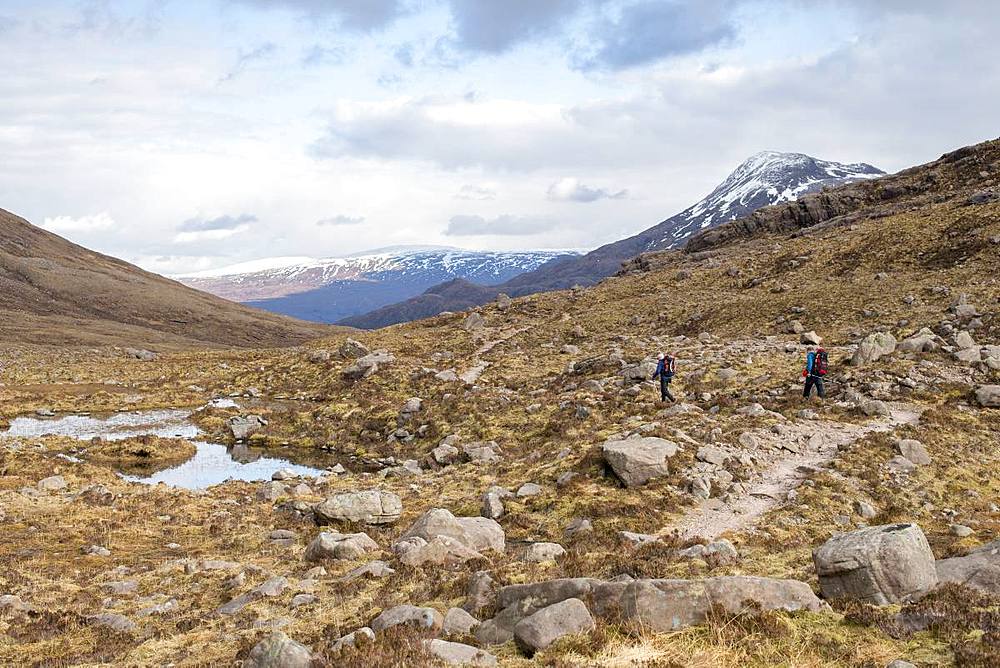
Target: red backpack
820,363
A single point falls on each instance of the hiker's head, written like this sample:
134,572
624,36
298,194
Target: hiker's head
660,356
811,349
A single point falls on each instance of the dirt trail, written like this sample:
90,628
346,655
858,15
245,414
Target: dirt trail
818,441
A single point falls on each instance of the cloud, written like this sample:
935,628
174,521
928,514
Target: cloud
651,30
505,225
474,192
340,220
245,59
318,54
214,224
95,223
571,190
362,15
495,27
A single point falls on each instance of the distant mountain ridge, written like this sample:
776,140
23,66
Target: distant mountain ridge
331,289
764,179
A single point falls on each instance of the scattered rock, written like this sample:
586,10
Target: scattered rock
541,552
638,460
364,634
878,565
541,629
914,451
960,530
279,651
476,533
352,350
328,545
243,427
458,622
988,396
810,338
528,489
113,621
979,569
425,619
373,507
51,484
457,654
874,347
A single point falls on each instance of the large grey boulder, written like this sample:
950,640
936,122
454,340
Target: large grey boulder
329,545
879,565
278,651
245,426
636,461
914,451
458,622
457,654
476,533
425,619
924,341
810,338
439,551
368,507
988,396
351,349
979,569
367,365
873,347
541,629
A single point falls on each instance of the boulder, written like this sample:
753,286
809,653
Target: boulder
367,365
529,489
988,396
373,507
439,551
878,565
352,639
711,455
476,533
875,408
914,451
424,619
279,651
245,426
479,593
541,552
330,545
964,340
924,341
140,354
541,629
979,569
445,454
873,347
810,338
352,350
458,622
482,452
457,654
492,505
473,322
638,460
53,483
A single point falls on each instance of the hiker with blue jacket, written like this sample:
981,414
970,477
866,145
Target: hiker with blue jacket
816,367
666,366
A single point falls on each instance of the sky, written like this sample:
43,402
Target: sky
185,135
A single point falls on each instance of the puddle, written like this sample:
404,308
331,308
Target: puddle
212,463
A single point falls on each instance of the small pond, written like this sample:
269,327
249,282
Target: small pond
212,463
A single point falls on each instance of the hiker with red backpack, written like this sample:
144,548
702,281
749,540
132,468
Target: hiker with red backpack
817,362
666,367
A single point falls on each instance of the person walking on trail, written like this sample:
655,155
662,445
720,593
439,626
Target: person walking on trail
666,366
816,366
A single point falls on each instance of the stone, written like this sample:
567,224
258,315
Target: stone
636,461
810,338
270,491
968,355
924,341
351,349
373,569
493,507
711,455
458,622
373,507
272,587
914,451
300,600
140,354
864,509
874,407
245,426
479,594
328,545
364,634
473,322
541,629
457,654
964,340
718,553
440,551
477,533
113,621
503,301
578,526
960,530
988,396
873,347
445,454
51,484
412,405
528,489
878,565
899,663
424,619
979,569
283,474
541,552
278,651
636,540
367,365
481,453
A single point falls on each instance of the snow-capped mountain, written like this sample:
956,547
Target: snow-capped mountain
765,178
330,289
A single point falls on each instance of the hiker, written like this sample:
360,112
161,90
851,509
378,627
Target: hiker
816,365
666,366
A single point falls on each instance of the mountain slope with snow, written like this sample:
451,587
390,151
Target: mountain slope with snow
330,289
764,179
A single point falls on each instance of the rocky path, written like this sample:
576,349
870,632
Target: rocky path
818,443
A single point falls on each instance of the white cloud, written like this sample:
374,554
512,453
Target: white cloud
476,192
209,235
504,225
571,190
340,220
67,224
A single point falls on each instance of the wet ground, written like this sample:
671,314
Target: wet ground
212,463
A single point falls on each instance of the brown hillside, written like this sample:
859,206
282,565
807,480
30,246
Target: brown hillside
55,292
